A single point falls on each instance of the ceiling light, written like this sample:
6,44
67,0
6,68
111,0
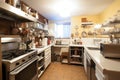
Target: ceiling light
64,8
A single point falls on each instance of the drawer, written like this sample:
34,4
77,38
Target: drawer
47,62
47,53
99,74
47,57
48,49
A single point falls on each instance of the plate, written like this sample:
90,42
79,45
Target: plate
84,34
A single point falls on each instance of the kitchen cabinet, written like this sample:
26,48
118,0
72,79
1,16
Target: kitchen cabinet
103,68
99,74
47,56
76,55
85,59
89,66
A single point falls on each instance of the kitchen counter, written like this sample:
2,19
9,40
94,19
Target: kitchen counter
73,45
40,49
106,65
62,45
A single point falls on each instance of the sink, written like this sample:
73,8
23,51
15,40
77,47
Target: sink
93,48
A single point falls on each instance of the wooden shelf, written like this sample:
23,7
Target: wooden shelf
85,24
76,56
64,61
75,62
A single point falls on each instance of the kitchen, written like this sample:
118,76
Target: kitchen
36,37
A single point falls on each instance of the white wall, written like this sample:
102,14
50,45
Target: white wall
51,26
94,41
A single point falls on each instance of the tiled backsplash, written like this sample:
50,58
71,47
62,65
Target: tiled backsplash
94,41
85,41
63,41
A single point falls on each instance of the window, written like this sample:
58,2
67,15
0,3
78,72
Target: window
62,30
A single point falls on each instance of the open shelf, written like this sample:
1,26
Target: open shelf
40,67
40,58
64,61
75,62
14,14
40,74
76,55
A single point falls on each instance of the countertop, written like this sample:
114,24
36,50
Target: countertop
104,64
40,49
73,45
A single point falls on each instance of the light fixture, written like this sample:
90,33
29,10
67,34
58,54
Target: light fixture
64,7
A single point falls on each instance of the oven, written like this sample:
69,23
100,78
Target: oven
27,71
24,71
18,64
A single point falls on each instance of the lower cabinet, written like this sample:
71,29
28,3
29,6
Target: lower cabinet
89,66
44,59
99,74
47,57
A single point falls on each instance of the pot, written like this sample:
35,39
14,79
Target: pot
15,29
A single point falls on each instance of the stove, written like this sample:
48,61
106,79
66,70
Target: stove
16,58
11,54
15,62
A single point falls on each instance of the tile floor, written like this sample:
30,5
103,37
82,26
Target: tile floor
58,71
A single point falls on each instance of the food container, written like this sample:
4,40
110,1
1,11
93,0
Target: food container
15,3
25,8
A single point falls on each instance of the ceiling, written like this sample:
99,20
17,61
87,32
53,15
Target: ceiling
64,9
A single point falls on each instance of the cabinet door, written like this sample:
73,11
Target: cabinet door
85,66
99,74
47,61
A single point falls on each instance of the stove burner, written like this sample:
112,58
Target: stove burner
14,53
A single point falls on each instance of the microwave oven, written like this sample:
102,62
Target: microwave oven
110,50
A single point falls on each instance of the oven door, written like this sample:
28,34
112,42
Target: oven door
27,71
